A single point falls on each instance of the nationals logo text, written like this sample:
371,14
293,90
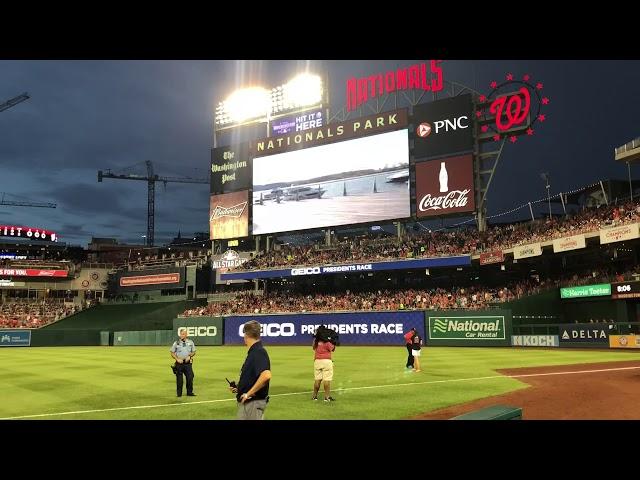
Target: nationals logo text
233,212
415,77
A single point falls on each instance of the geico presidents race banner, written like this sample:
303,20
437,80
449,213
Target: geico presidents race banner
297,123
167,278
488,258
28,232
566,244
202,330
361,328
32,272
534,341
469,328
619,234
585,333
230,168
352,268
623,290
15,338
443,127
445,186
334,132
229,215
526,251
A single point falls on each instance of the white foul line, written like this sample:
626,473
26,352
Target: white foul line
78,412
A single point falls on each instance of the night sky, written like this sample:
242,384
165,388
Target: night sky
86,116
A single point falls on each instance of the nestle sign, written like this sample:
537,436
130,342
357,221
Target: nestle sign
445,186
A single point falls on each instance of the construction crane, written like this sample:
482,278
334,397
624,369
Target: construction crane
24,203
151,180
14,101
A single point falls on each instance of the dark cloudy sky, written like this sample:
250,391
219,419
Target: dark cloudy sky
89,115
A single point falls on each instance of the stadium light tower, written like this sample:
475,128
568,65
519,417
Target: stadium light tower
545,177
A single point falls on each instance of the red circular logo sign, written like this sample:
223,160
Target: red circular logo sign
423,130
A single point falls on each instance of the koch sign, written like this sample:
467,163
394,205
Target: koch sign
297,123
371,328
443,127
458,261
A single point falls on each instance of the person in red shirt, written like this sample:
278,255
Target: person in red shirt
323,368
408,343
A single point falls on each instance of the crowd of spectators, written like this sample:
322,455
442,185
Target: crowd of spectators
470,298
23,313
445,243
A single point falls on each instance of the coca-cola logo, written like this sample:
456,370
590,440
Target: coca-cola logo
233,212
445,186
453,199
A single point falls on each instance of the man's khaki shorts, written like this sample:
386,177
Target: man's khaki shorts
323,369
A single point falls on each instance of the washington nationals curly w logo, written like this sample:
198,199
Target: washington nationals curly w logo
515,111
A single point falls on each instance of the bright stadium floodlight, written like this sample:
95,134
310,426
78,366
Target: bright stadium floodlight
245,104
303,90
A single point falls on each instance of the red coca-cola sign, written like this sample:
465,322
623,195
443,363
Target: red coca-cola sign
445,186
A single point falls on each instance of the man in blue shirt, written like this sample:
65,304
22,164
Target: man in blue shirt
183,351
252,391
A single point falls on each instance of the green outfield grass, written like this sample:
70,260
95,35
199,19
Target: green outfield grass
369,383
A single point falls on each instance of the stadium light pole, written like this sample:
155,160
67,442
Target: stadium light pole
545,177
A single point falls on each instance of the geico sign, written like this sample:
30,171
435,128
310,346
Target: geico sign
623,288
305,271
273,330
199,331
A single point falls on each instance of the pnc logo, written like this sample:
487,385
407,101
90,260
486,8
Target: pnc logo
305,271
423,130
273,330
202,331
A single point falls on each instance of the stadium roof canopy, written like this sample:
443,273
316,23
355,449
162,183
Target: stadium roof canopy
629,152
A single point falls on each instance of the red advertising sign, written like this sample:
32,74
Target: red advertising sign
28,232
488,258
421,76
445,186
31,272
150,279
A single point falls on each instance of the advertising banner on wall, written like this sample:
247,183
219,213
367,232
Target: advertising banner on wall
584,333
202,330
526,251
360,328
534,341
228,261
443,127
230,168
15,338
465,328
566,244
164,279
434,262
599,290
619,234
445,186
229,215
32,272
297,123
488,258
624,341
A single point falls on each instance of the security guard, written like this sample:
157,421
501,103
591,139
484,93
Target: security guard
183,351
